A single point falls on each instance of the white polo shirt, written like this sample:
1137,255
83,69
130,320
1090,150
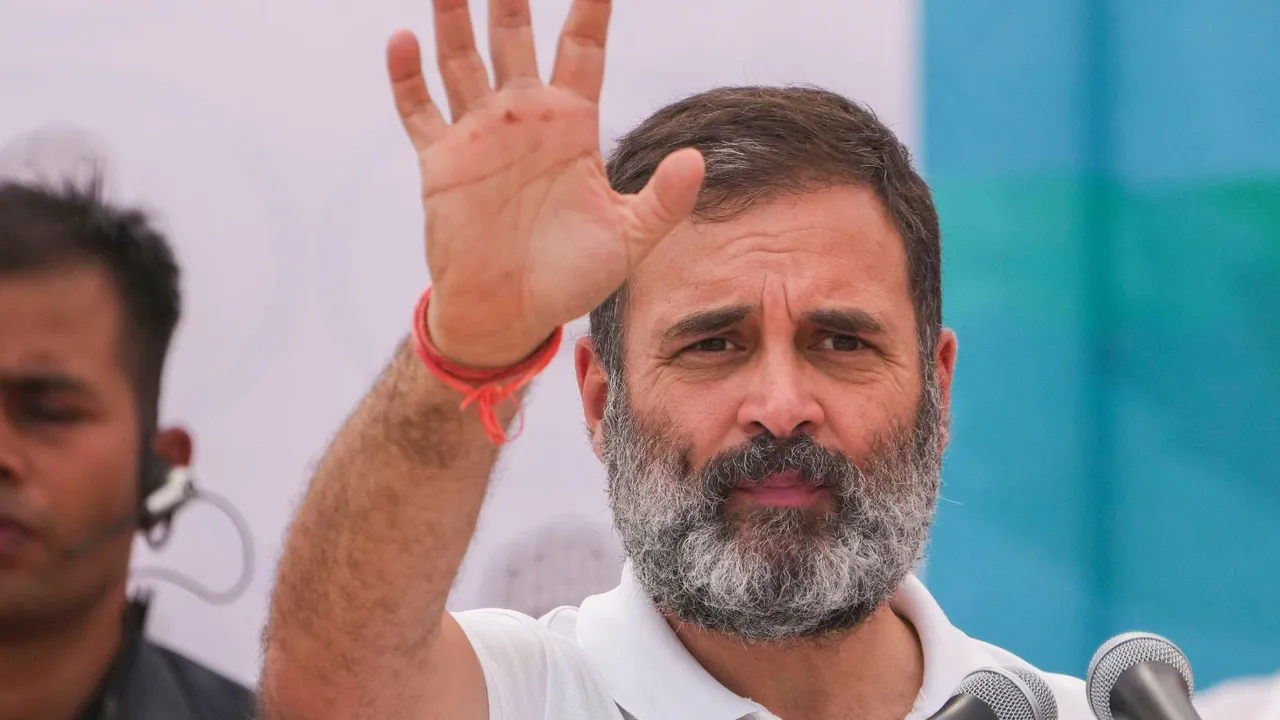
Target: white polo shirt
616,658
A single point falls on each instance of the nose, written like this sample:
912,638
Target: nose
782,399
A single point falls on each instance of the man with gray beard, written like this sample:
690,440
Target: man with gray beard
771,572
767,381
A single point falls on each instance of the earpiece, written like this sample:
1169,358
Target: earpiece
165,488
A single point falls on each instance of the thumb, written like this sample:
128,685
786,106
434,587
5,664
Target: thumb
667,199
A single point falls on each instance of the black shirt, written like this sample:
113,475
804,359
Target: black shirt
149,682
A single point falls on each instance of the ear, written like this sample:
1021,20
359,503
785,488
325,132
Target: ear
593,385
173,445
945,362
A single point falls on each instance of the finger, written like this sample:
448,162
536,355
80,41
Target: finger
466,82
421,118
665,201
515,57
580,56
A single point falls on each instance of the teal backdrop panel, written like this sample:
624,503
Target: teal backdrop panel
1108,175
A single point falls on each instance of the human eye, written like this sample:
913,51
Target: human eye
710,345
49,410
839,342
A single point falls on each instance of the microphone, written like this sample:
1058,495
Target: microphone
159,505
1000,694
1140,676
128,522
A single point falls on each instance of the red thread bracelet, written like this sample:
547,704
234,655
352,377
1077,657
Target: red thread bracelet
484,387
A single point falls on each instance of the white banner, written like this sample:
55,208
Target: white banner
263,136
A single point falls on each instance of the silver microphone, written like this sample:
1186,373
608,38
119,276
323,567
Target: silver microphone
1140,676
1000,694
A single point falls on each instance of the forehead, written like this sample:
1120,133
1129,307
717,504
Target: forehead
835,247
65,320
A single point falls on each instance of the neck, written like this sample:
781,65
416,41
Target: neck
54,674
872,671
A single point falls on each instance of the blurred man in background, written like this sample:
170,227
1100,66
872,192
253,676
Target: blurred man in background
89,301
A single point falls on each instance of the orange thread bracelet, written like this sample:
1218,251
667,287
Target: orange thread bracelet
484,387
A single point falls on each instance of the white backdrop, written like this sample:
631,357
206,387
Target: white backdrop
263,137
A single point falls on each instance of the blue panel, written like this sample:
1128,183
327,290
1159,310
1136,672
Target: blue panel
1005,147
1199,276
1197,90
1002,86
1108,175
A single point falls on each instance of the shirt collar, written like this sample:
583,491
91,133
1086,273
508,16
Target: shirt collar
647,669
651,675
949,654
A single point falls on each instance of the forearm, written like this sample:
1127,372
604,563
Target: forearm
376,544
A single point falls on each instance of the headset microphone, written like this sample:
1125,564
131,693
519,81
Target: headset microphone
166,488
163,489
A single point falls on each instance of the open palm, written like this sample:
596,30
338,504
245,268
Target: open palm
523,232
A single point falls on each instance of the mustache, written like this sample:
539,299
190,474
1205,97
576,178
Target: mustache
765,455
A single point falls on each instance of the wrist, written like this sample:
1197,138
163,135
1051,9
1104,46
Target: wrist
473,349
485,385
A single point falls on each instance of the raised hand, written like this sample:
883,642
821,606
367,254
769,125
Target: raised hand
523,232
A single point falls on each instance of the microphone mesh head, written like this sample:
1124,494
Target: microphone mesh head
1008,694
1040,691
1123,652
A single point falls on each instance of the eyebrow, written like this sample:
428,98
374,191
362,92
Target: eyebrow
705,322
850,322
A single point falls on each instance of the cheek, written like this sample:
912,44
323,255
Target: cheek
92,478
703,416
858,417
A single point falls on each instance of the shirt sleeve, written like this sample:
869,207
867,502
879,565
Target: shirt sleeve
532,673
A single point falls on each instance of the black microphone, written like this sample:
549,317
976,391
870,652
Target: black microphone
1141,676
178,487
1000,694
126,523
